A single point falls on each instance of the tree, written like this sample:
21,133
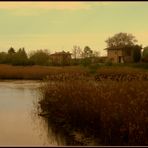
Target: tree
3,57
20,57
96,54
76,51
121,40
39,57
77,54
87,52
145,54
136,53
11,51
10,55
126,42
87,56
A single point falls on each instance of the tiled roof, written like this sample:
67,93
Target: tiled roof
61,53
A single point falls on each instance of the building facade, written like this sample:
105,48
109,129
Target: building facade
60,58
119,55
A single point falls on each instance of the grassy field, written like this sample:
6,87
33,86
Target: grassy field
112,108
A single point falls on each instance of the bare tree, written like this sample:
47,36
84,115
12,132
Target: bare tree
76,51
96,53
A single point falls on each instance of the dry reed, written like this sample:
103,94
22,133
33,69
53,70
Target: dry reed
36,72
114,111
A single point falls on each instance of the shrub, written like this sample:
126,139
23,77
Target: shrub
109,63
86,61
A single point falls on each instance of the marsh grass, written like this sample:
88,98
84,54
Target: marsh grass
37,72
65,72
113,111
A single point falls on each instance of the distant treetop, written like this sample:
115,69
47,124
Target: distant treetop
121,40
11,50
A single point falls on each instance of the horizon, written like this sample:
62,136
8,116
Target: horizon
58,26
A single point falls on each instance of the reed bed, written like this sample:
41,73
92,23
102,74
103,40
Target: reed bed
121,74
37,72
115,112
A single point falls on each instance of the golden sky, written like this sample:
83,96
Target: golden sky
60,25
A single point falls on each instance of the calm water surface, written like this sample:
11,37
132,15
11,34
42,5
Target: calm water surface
19,126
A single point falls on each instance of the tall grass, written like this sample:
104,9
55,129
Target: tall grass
57,73
115,112
37,72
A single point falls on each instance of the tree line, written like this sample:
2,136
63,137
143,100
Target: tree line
84,56
20,57
42,57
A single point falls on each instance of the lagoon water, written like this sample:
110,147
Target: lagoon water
19,124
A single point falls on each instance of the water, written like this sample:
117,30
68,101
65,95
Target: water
19,126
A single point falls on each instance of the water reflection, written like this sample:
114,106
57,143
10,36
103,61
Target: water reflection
53,137
57,135
19,126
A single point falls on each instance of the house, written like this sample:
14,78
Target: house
60,58
115,55
120,54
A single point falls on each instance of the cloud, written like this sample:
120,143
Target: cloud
45,5
73,5
37,8
115,3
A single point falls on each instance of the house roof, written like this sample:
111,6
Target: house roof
61,53
119,48
113,48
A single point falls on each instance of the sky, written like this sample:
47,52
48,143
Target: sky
58,26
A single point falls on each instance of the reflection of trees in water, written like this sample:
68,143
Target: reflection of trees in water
62,137
52,134
47,132
55,135
58,134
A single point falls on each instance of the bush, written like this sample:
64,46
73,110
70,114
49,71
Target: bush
109,63
86,61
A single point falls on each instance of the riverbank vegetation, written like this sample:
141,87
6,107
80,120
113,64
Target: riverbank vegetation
37,72
111,107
